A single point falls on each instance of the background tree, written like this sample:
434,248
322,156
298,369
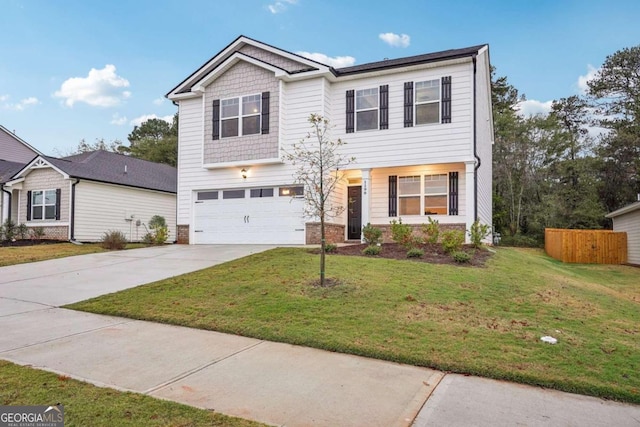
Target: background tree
114,146
615,93
154,140
319,165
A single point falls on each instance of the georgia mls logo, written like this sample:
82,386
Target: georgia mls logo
32,416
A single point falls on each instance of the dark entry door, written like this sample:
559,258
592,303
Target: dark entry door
354,216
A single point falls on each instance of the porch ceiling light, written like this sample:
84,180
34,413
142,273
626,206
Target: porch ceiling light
243,172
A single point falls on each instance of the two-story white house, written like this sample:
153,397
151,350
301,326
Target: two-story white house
420,129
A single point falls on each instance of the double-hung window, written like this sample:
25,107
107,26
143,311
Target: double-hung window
427,100
240,116
43,204
367,109
435,194
409,195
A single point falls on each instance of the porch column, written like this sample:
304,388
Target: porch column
469,197
366,198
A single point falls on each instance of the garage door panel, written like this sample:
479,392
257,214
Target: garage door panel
268,220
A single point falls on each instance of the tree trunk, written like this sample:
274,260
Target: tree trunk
322,250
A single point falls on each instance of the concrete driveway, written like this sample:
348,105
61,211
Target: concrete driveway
279,384
66,280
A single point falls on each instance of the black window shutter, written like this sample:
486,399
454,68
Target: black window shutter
446,99
384,107
215,121
265,112
58,197
28,205
453,193
393,195
408,104
350,111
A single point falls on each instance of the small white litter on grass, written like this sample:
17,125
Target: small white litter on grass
550,340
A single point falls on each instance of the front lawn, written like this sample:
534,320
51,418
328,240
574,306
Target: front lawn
87,405
10,255
481,321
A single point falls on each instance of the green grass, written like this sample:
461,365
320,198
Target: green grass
10,255
88,405
481,321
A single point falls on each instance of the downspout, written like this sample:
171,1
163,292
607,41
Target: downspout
72,215
475,142
8,207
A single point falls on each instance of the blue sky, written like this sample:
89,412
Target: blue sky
79,69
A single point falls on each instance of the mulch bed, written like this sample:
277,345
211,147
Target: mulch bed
433,253
30,242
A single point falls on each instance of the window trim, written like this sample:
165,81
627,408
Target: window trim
416,103
376,108
241,115
44,205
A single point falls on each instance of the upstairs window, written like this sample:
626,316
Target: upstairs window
244,115
427,102
367,109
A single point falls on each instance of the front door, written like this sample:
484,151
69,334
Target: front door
354,215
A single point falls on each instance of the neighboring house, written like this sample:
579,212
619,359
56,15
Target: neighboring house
627,219
420,129
14,153
81,197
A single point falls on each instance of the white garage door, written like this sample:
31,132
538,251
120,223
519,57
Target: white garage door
257,215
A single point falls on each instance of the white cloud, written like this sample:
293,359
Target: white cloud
280,6
159,101
531,107
336,62
101,88
139,120
395,40
592,72
19,106
118,120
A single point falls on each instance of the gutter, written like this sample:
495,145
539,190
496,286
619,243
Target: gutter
9,207
72,215
475,141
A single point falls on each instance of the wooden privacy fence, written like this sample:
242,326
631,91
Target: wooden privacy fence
586,246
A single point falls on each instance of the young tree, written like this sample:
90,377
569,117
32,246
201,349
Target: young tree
319,165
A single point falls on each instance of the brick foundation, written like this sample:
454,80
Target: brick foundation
182,234
334,233
54,232
417,230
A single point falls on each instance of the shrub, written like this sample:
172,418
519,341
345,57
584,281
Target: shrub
460,256
452,240
415,253
401,234
9,230
372,250
23,231
372,235
159,232
478,232
114,240
330,248
431,230
37,233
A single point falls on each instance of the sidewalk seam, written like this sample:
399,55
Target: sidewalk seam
198,369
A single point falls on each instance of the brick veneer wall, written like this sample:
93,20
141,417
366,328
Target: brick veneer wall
334,233
417,230
54,232
182,234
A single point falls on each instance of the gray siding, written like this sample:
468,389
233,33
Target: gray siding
45,179
13,150
242,79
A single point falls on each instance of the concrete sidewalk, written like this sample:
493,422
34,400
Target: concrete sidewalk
275,383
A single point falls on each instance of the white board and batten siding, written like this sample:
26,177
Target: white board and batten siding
106,207
485,139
